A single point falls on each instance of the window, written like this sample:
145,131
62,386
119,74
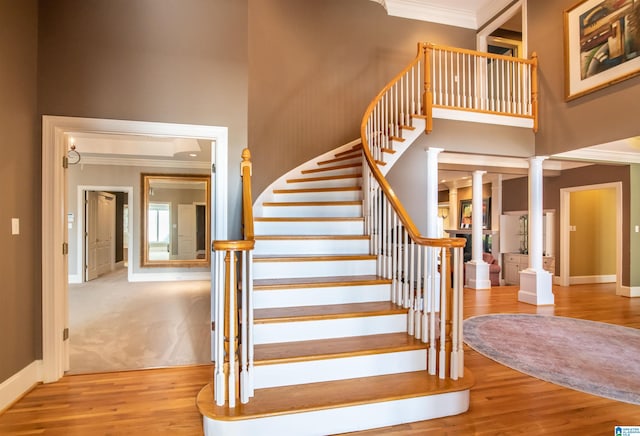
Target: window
159,222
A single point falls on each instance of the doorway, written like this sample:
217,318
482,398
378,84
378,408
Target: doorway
611,226
54,213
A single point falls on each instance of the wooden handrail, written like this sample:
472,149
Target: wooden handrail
476,53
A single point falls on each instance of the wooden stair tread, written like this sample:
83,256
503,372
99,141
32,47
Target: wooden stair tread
330,311
307,190
311,203
301,219
310,237
318,282
325,395
311,257
340,159
336,167
355,152
335,348
324,178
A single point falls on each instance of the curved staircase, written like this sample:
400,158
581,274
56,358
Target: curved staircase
332,353
346,318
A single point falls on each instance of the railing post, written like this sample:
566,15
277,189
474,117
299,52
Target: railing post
428,91
534,90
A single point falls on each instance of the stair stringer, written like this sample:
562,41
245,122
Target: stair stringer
409,136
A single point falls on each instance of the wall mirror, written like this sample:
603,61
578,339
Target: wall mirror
175,220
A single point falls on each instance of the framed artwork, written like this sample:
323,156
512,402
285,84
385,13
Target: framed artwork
602,44
466,213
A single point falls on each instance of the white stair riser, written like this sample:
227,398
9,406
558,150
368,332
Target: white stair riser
332,183
311,246
270,333
313,371
298,228
351,211
321,296
320,196
345,419
320,268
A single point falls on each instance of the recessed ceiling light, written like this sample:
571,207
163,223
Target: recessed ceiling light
192,154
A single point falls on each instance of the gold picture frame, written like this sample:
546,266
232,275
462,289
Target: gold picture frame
602,45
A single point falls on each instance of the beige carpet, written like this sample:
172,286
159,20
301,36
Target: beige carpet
115,325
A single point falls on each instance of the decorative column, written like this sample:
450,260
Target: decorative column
477,269
432,192
535,282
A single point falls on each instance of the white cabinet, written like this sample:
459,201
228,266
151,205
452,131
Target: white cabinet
515,262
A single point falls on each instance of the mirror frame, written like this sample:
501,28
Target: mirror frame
146,179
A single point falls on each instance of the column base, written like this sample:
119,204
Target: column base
477,275
535,287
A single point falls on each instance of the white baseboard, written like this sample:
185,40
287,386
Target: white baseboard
582,280
20,383
75,278
169,276
628,291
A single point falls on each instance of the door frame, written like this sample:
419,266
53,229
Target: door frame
80,277
55,129
565,222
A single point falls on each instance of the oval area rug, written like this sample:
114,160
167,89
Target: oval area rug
592,357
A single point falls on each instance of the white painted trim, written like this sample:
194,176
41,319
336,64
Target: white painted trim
487,13
581,280
626,291
170,276
13,388
420,10
345,419
601,156
481,117
54,221
565,197
136,162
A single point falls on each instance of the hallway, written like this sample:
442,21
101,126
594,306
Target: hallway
115,325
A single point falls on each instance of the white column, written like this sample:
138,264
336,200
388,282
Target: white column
477,269
432,218
432,192
535,282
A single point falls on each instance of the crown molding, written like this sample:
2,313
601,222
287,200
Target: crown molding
471,17
611,156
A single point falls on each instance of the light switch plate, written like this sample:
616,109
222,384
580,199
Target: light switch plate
15,226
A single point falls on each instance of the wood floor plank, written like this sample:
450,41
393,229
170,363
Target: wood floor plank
503,401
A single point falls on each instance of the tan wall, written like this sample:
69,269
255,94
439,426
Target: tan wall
315,66
593,243
602,116
20,324
176,61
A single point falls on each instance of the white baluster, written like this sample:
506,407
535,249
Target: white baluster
244,354
431,307
412,292
443,314
405,270
219,378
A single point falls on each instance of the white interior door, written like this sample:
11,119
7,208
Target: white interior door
187,231
100,210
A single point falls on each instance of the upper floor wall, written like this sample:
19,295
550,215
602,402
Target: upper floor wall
602,116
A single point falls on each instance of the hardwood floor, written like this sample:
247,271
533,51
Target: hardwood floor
503,401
